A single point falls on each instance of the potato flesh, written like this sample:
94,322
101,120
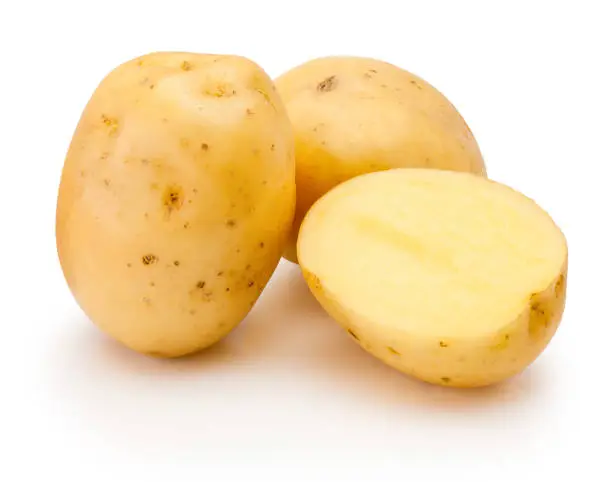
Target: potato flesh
431,259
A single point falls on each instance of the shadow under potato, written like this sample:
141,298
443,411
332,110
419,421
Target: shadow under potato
288,331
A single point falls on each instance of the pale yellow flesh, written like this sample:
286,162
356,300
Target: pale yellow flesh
353,115
176,199
449,277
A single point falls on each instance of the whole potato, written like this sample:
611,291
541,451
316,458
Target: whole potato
355,115
176,198
448,277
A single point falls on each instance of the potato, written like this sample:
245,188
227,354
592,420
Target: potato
176,199
446,276
356,115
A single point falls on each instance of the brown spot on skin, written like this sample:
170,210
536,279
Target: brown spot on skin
227,289
111,123
230,223
367,75
445,379
129,265
247,267
82,173
220,273
538,316
104,156
374,71
152,86
250,112
250,283
272,147
146,300
204,146
173,198
186,66
266,97
560,286
177,263
194,190
443,344
144,81
261,245
192,312
186,225
393,350
416,84
145,162
152,284
139,62
384,86
200,284
148,259
107,182
503,343
352,333
221,90
327,85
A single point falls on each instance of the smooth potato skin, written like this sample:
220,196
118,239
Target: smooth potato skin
355,115
457,362
176,199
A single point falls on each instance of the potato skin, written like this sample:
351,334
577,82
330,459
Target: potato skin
355,115
465,363
176,199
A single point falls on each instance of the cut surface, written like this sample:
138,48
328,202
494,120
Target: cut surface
431,253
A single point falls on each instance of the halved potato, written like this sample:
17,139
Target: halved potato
449,277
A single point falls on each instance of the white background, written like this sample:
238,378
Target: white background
287,396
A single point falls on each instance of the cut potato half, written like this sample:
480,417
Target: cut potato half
449,277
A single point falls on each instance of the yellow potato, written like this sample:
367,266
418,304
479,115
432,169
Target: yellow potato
176,198
446,276
354,115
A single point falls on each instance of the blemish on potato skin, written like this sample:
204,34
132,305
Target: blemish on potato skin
177,263
204,146
107,182
272,147
230,223
129,265
200,284
152,284
560,286
352,333
327,85
250,283
146,300
186,66
220,273
443,344
173,198
538,316
221,90
261,244
186,225
416,84
393,350
250,112
503,343
227,290
149,259
445,379
111,123
192,312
